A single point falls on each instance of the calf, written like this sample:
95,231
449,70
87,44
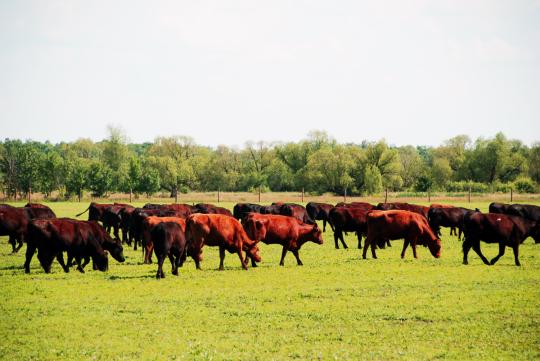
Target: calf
169,240
507,231
398,224
219,231
286,231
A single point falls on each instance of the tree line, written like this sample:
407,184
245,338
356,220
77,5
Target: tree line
317,164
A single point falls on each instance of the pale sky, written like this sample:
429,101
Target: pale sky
225,72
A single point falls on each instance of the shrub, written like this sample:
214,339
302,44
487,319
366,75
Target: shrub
463,186
525,185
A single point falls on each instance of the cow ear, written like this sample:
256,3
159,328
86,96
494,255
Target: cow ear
258,224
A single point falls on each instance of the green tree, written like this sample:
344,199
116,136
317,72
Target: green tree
100,178
372,180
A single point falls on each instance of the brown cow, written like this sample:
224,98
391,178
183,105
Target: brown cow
286,231
147,225
206,208
14,221
508,231
397,224
222,231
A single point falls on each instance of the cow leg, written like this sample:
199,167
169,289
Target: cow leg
160,260
336,237
80,268
174,270
405,245
283,254
413,246
366,246
147,252
476,248
502,247
60,259
324,225
20,240
243,260
359,235
516,254
373,246
222,257
30,250
460,231
466,248
86,261
298,261
388,244
115,232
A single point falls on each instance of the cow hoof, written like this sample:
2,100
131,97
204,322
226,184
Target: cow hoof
175,273
465,262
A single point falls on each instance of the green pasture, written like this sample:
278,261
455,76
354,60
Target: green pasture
335,307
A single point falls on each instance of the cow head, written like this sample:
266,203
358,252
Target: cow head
316,234
254,253
101,260
535,232
435,247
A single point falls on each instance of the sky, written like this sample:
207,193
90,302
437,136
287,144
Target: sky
225,72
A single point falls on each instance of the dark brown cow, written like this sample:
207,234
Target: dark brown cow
361,205
320,211
453,231
51,237
499,208
14,221
348,219
447,217
206,208
297,211
241,210
136,220
112,218
125,219
398,224
147,225
181,209
423,210
286,231
169,240
95,210
507,231
222,231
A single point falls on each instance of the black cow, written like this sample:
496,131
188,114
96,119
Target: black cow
447,217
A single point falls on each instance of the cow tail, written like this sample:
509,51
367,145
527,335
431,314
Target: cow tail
77,215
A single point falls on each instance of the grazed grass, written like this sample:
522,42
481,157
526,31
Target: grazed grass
337,306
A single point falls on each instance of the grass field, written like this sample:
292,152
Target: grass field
335,307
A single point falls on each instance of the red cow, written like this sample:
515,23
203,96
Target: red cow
361,205
286,231
391,225
221,231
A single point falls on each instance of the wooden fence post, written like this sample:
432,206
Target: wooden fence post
511,195
345,195
428,196
386,195
259,194
218,195
302,194
469,194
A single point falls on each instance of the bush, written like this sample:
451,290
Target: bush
498,186
463,186
525,185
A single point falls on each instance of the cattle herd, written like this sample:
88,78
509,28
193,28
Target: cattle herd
177,231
